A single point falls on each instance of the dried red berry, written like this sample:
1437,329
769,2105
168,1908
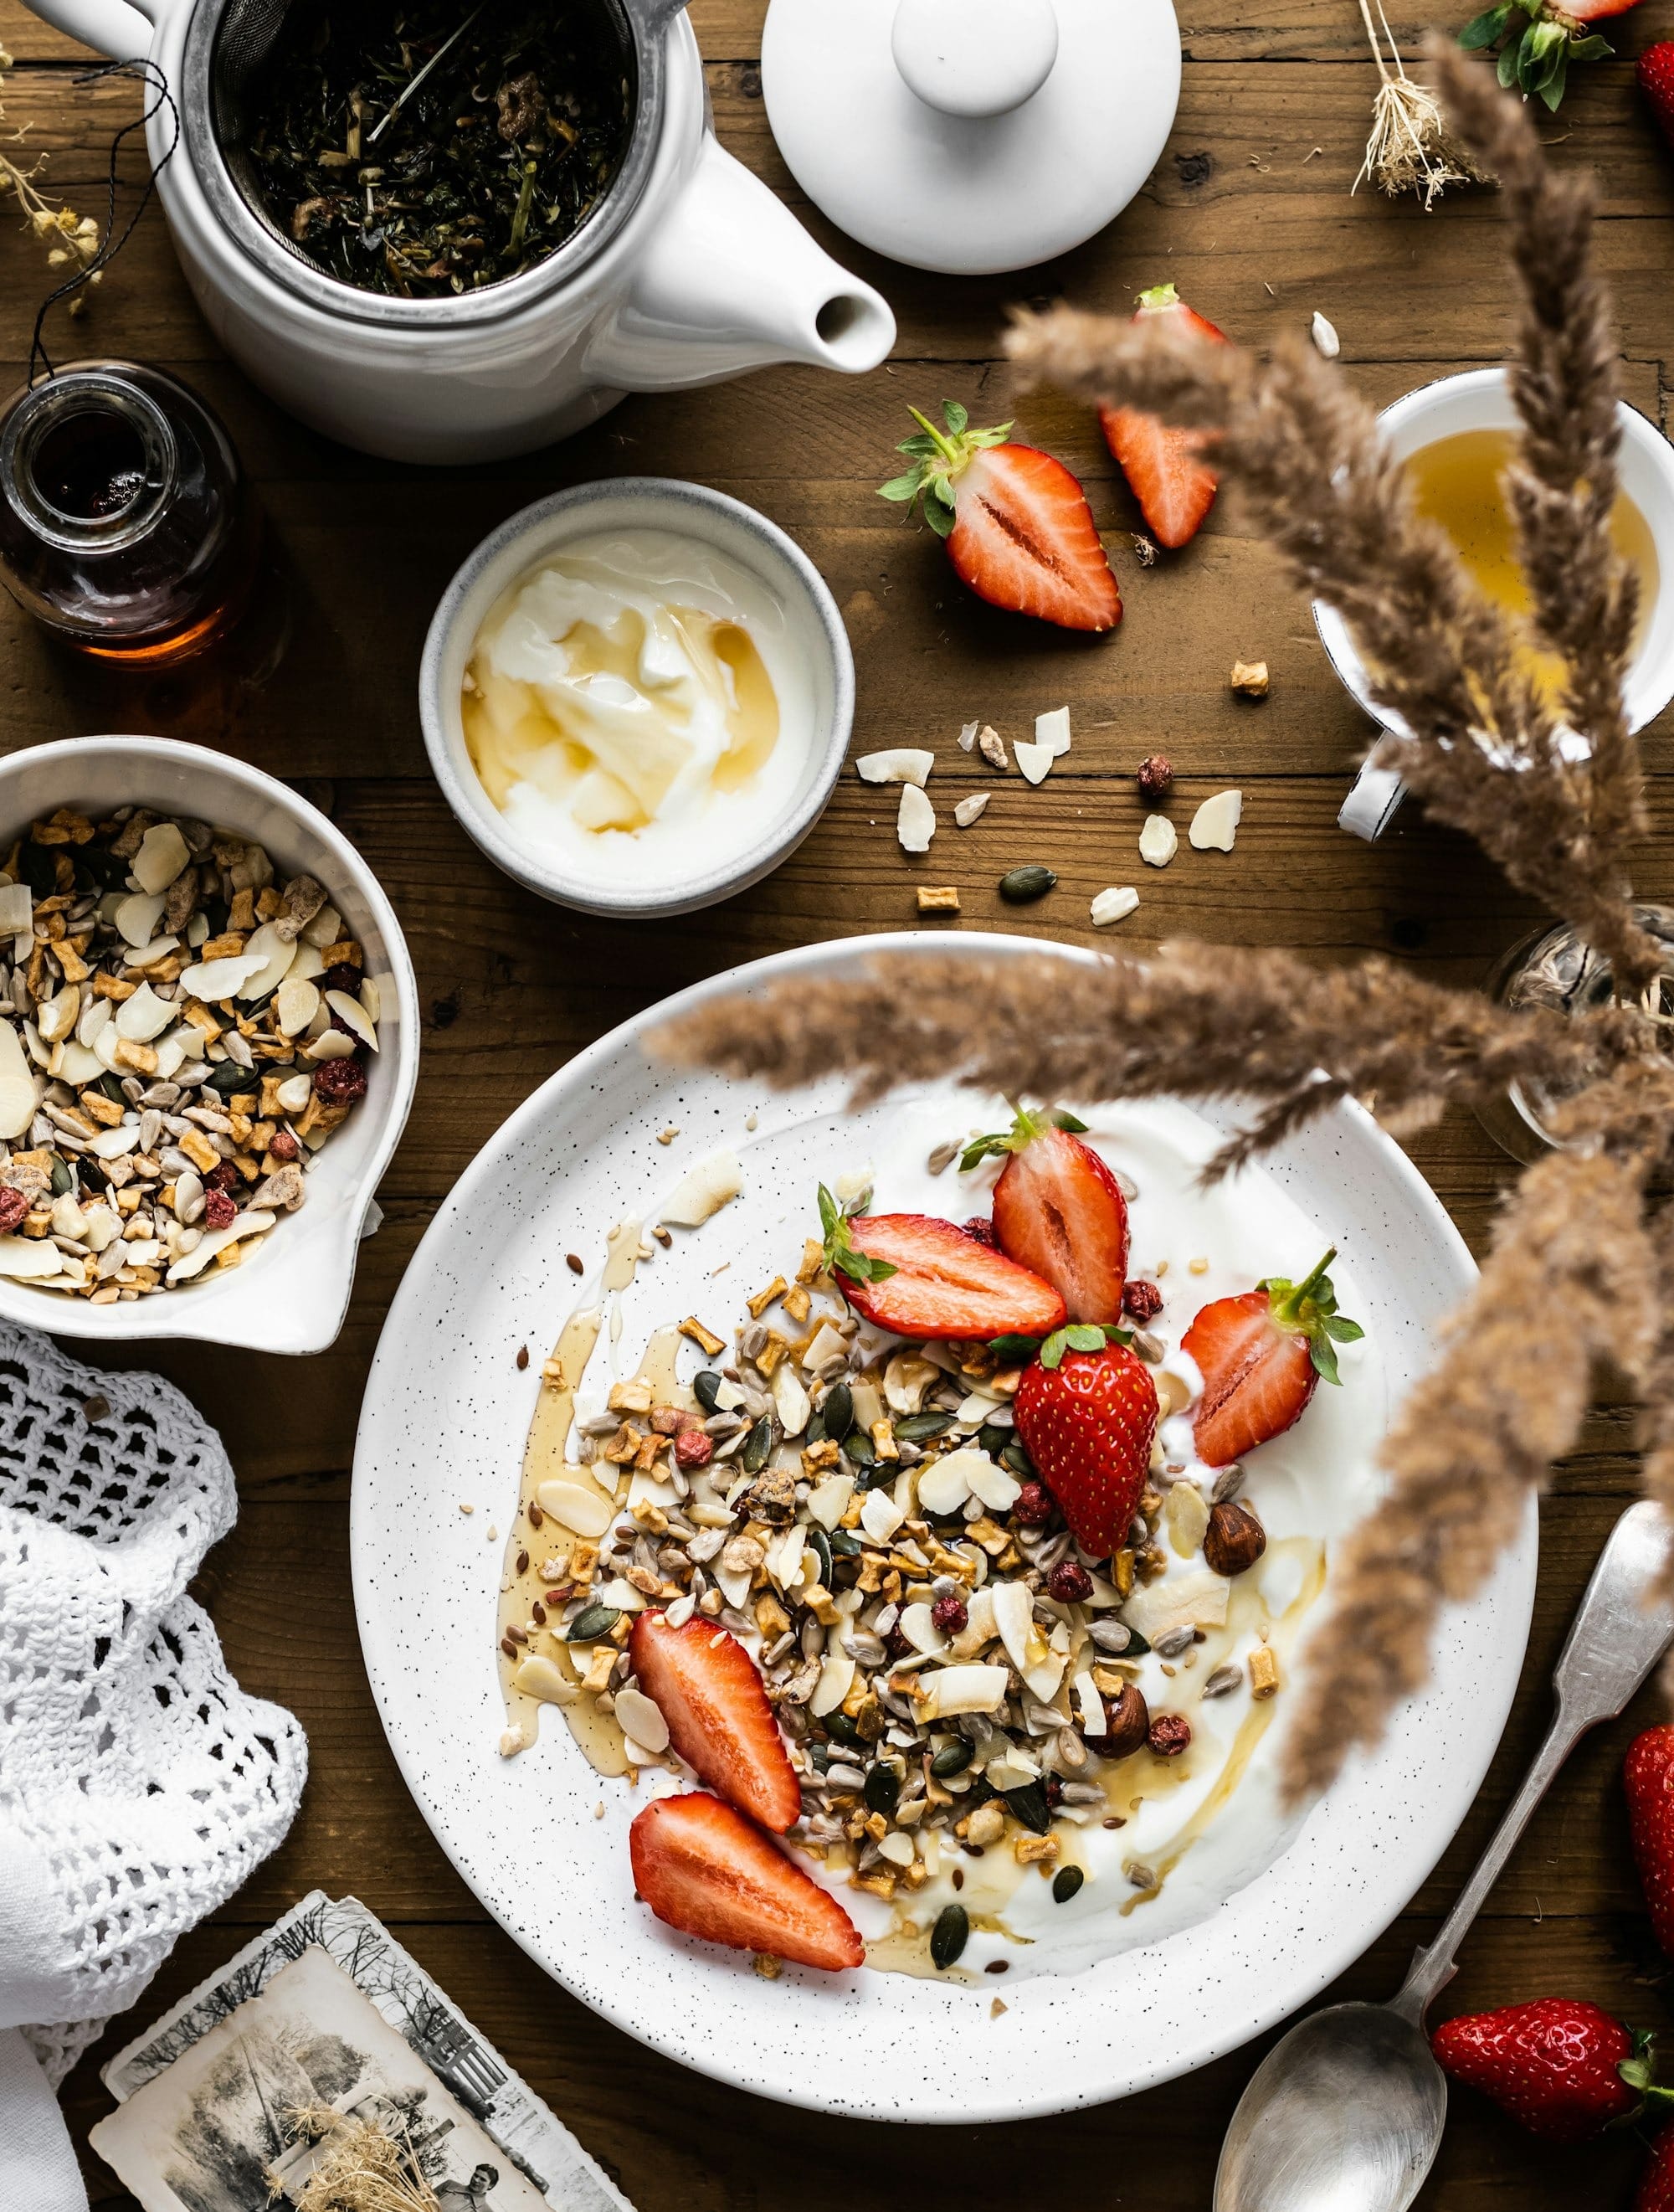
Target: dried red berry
341,977
13,1205
283,1147
692,1448
981,1228
341,1082
1052,1789
1033,1506
1070,1582
950,1615
1156,778
219,1209
225,1177
1169,1735
1142,1299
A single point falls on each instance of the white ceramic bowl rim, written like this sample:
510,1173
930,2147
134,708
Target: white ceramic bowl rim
780,562
816,2056
1646,467
261,1304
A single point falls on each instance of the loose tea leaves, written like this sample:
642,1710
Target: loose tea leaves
497,135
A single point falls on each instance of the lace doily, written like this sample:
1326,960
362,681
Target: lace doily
138,1784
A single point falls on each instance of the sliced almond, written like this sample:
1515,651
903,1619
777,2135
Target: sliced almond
1215,825
1051,730
1033,760
1159,840
1113,905
352,1016
900,764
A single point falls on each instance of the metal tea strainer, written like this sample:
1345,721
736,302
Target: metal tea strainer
228,44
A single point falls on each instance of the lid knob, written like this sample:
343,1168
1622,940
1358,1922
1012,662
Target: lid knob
975,58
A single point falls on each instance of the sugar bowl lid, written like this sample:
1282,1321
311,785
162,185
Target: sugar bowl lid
971,136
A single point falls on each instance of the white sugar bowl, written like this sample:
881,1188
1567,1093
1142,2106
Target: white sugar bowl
291,1289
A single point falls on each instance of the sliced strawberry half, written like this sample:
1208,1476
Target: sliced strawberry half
710,1691
922,1278
1175,487
1019,529
702,1868
1261,1355
1059,1210
1087,1420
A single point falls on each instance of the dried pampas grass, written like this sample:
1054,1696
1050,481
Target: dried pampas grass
1577,1276
362,2168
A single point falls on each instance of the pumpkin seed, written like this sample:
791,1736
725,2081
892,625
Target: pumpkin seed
706,1388
991,1440
883,1790
1029,1804
838,1410
1018,1460
592,1622
1019,885
858,1449
915,1427
948,1937
1066,1882
757,1445
840,1725
952,1758
820,1544
846,1544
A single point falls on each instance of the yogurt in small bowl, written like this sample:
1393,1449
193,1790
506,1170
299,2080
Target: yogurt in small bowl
637,697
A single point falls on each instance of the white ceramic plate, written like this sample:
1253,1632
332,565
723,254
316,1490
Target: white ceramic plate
444,1421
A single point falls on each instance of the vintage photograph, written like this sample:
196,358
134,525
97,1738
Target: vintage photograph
305,2071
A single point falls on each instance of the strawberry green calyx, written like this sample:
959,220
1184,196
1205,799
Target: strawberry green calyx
1639,2072
1026,1126
938,458
1539,42
1157,300
1308,1309
841,1255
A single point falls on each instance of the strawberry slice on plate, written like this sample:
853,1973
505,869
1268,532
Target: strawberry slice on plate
923,1278
1087,1419
1175,487
702,1868
710,1691
1261,1355
1059,1210
1019,529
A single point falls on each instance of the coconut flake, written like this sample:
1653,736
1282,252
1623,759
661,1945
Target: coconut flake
1033,760
1113,905
1215,825
704,1191
1159,840
1051,730
915,825
902,764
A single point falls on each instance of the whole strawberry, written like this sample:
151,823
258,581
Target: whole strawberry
1562,2068
1655,72
1647,1778
1656,2188
1087,1419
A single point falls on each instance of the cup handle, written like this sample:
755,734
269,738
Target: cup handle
122,30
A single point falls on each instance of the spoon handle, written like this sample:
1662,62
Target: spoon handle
1621,1631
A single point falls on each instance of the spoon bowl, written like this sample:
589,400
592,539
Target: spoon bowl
1299,2142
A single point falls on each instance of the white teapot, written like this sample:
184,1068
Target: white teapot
689,272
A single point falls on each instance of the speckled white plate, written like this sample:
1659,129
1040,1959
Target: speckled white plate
444,1418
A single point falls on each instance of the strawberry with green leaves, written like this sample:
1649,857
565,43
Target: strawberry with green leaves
1087,1411
1018,528
1261,1355
1538,41
1058,1210
1561,2067
921,1277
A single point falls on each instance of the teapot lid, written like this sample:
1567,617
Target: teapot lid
971,136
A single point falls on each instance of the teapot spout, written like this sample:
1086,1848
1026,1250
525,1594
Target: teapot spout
732,282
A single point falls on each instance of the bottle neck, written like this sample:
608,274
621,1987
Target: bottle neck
89,462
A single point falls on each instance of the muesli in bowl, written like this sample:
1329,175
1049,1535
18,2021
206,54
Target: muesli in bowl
960,1568
182,1026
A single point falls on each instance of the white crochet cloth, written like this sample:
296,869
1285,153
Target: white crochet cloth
138,1784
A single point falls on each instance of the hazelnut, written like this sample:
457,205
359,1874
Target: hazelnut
1130,1721
1169,1735
1156,777
1234,1539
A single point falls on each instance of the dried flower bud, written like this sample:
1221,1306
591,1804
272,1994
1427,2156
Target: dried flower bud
1156,777
1234,1539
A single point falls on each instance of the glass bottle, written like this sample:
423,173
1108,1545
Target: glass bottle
125,526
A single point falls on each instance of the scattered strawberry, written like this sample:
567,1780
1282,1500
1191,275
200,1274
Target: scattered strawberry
1261,1355
1087,1420
1563,2068
709,1691
1164,468
1019,529
1059,1210
1655,72
1540,41
1647,1777
923,1278
703,1868
1656,2188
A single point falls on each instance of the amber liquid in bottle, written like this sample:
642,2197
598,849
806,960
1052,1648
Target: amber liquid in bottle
125,526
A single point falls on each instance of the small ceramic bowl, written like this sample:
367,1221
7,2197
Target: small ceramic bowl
292,1292
815,633
1481,400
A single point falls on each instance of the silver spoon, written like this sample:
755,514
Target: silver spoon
1345,2113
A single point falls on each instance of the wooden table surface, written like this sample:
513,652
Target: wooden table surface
1249,213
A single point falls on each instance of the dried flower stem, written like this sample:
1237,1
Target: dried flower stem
68,236
1409,149
364,2168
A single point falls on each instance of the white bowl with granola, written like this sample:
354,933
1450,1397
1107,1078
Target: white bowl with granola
788,1613
209,1041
